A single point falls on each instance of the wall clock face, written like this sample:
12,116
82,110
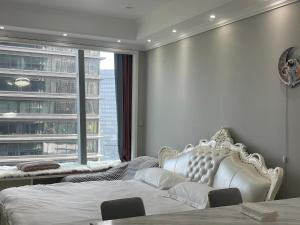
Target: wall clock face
289,66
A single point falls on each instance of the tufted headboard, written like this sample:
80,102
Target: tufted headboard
199,163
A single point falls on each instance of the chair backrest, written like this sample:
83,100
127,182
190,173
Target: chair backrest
122,208
224,197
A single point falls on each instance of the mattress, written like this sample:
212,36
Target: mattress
78,203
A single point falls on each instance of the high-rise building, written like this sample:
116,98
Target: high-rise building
108,115
38,102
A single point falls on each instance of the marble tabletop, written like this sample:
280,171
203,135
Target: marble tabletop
288,213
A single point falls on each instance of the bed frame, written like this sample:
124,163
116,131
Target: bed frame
255,160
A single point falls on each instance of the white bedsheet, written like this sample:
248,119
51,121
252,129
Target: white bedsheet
78,203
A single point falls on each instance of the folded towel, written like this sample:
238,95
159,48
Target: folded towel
37,165
259,212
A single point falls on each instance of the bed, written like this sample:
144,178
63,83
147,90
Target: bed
218,163
77,203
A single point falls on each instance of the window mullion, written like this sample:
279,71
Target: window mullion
81,112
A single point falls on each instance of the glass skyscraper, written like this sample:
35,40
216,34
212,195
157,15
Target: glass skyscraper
38,104
108,115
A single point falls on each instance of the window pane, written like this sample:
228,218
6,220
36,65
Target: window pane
100,85
37,106
38,115
41,84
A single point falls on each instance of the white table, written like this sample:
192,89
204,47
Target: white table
288,210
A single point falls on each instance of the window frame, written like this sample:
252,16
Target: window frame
85,45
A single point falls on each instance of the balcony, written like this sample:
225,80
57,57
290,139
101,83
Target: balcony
43,137
33,73
38,116
43,51
41,95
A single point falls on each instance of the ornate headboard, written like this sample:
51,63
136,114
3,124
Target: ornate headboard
191,161
257,161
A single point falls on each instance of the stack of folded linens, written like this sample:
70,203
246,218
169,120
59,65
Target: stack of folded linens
37,165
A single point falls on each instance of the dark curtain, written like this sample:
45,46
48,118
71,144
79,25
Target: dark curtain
123,79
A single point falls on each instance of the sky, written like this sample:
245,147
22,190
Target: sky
108,62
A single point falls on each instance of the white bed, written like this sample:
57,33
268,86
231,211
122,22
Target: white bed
78,203
218,166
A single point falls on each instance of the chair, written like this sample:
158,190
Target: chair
122,208
224,197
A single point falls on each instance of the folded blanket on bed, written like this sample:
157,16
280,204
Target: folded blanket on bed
37,165
124,171
115,173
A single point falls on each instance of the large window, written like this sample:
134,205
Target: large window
38,98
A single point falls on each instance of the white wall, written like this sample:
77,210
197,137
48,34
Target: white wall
228,77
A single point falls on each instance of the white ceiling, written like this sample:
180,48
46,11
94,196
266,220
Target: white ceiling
226,12
114,8
107,21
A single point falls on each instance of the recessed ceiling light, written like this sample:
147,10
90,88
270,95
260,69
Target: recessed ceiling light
1,27
65,34
149,40
129,7
119,41
212,16
174,31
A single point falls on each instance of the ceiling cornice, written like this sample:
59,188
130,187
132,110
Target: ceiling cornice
195,25
30,23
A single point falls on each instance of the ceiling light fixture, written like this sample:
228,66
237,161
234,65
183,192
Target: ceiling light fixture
119,41
1,27
212,16
129,7
149,40
22,82
65,34
174,31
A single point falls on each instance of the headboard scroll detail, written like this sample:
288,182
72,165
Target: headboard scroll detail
256,160
166,152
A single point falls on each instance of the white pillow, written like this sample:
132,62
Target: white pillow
159,178
191,193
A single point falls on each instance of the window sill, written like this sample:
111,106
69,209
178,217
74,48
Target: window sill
12,173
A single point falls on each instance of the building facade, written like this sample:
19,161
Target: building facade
108,115
38,103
